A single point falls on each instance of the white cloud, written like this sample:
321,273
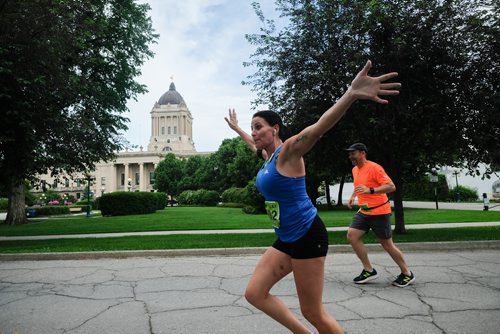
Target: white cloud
202,44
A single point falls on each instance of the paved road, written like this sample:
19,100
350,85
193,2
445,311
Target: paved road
454,292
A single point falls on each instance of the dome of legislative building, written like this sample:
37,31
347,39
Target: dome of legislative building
171,97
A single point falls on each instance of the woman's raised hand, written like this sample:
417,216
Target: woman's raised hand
364,87
233,120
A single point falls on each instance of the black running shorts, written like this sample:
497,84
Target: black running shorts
380,224
313,244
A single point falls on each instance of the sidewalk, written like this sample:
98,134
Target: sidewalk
239,231
454,293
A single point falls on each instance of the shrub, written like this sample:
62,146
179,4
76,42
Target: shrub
161,200
234,195
463,193
254,199
208,197
199,197
186,197
128,203
422,189
52,210
4,204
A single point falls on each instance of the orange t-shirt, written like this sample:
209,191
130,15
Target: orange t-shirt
372,175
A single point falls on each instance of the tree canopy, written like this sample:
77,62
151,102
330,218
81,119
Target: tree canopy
447,57
67,69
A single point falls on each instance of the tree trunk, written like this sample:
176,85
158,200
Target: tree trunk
327,193
341,190
16,214
399,216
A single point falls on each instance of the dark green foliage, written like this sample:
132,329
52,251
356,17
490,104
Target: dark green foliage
448,60
253,198
462,193
161,199
4,204
422,189
234,195
51,210
67,70
199,197
128,203
168,174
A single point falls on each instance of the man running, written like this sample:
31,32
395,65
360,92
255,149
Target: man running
371,184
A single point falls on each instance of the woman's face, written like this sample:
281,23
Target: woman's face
263,134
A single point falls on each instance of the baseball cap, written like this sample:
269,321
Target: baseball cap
357,147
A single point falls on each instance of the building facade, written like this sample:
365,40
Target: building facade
171,132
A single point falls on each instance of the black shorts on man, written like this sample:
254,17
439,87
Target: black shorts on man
379,224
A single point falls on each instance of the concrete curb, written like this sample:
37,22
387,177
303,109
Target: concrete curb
405,247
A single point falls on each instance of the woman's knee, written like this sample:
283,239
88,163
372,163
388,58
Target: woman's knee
314,315
254,295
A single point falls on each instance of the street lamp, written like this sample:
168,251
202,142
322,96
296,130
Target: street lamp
129,184
457,191
43,198
88,177
435,180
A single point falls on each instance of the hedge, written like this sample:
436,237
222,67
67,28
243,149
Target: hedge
51,210
199,197
128,203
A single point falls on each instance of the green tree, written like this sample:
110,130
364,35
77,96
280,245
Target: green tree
449,75
67,69
168,175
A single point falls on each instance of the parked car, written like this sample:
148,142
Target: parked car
322,200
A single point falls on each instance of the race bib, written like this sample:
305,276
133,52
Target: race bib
273,211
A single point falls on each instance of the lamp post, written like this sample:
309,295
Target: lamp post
129,184
457,192
435,180
88,178
43,198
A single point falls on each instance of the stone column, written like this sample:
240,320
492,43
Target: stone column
141,176
125,186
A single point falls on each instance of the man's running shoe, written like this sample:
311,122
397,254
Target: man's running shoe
403,280
365,276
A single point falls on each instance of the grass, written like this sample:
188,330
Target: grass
228,240
209,218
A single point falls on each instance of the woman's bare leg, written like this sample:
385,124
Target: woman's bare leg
272,267
309,277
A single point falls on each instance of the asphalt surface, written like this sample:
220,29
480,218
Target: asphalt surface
457,290
454,292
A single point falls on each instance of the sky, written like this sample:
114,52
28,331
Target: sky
202,46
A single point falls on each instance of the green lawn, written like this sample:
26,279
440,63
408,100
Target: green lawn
208,218
227,240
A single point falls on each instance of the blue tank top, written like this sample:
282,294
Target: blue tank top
287,202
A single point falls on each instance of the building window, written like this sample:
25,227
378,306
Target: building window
137,179
66,183
78,195
151,178
162,130
169,130
175,130
78,183
122,179
103,181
